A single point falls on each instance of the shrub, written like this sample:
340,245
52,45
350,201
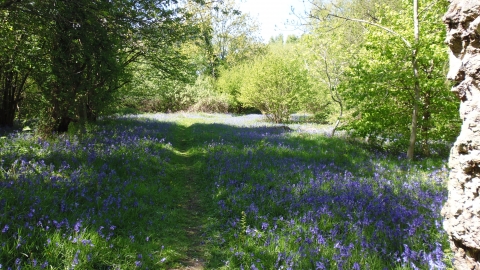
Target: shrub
230,83
275,85
212,104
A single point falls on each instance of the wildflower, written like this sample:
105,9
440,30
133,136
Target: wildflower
87,242
264,225
5,229
320,266
77,226
75,258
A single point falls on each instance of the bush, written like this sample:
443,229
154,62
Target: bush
230,83
164,96
275,85
212,104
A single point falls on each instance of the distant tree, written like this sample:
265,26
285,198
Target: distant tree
278,39
328,64
225,38
292,39
230,83
276,85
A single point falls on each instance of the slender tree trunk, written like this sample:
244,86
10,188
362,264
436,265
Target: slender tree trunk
413,128
425,126
462,210
340,115
332,86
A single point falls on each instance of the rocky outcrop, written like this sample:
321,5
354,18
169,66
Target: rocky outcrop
462,210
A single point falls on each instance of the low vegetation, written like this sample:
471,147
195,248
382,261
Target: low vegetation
127,194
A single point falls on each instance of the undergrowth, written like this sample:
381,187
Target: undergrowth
121,195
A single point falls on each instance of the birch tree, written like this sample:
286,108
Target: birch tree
411,39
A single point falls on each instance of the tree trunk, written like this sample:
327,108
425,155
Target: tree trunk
11,89
425,124
413,128
462,209
340,115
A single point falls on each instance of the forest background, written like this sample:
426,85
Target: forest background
373,69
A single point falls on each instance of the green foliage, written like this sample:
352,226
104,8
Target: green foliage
205,98
19,51
230,83
76,55
150,90
225,36
212,104
275,84
378,83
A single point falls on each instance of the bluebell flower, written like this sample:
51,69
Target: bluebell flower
77,226
264,226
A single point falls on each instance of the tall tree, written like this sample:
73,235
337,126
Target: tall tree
461,212
393,37
329,56
226,36
82,50
18,51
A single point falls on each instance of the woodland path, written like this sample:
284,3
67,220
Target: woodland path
186,172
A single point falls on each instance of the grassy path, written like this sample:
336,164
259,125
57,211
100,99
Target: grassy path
188,162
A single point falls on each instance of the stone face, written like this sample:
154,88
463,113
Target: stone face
462,209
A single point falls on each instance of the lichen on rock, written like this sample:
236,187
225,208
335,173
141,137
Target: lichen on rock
462,209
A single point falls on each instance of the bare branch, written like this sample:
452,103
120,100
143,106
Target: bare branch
373,24
428,7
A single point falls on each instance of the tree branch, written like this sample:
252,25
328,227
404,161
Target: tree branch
373,24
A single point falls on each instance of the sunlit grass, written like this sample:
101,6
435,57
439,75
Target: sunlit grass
126,194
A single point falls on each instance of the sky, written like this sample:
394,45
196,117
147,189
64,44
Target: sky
272,15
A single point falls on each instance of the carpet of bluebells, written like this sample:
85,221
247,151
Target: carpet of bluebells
84,201
273,198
